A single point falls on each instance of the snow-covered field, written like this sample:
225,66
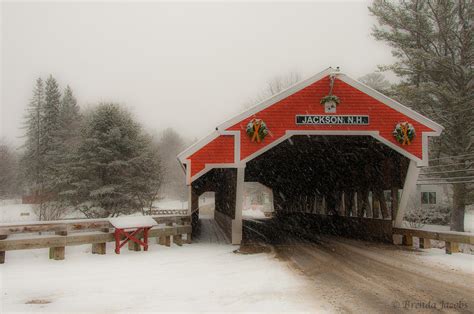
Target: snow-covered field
13,211
197,277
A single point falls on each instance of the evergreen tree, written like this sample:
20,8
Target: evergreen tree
68,137
33,157
146,176
434,46
51,146
9,183
69,117
51,116
115,171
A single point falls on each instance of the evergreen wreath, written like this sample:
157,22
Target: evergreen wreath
257,130
330,98
404,133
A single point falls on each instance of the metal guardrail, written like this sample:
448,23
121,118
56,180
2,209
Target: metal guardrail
451,238
56,235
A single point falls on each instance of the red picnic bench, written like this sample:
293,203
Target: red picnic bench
129,227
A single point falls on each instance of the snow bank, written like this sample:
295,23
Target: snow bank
457,261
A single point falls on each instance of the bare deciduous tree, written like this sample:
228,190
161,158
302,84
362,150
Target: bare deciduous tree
274,86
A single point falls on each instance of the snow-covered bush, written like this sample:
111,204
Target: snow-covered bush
433,215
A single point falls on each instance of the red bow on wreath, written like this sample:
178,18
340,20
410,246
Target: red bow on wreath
256,128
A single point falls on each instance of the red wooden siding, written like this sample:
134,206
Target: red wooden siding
218,151
280,117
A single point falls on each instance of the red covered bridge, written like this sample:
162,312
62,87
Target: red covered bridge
329,145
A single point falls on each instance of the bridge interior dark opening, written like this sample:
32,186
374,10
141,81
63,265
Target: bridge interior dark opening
326,183
327,165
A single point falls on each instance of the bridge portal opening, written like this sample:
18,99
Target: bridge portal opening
207,205
344,185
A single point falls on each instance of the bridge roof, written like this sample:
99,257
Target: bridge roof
229,146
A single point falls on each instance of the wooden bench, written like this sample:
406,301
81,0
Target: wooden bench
451,238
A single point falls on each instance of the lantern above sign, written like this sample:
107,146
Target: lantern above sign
330,102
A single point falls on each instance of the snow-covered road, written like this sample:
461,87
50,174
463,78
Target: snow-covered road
363,277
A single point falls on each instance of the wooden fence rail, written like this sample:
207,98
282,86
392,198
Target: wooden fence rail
84,231
451,238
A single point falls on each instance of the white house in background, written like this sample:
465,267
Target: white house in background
432,195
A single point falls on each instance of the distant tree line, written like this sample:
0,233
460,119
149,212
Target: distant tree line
99,162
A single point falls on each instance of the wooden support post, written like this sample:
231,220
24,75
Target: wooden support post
407,240
340,203
236,227
375,206
188,238
424,243
315,204
451,247
380,197
2,253
178,239
165,240
57,253
100,248
348,201
363,204
323,205
394,201
369,212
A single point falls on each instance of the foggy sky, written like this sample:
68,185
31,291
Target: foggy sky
189,66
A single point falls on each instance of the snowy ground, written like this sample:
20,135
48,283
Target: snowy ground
333,275
204,276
